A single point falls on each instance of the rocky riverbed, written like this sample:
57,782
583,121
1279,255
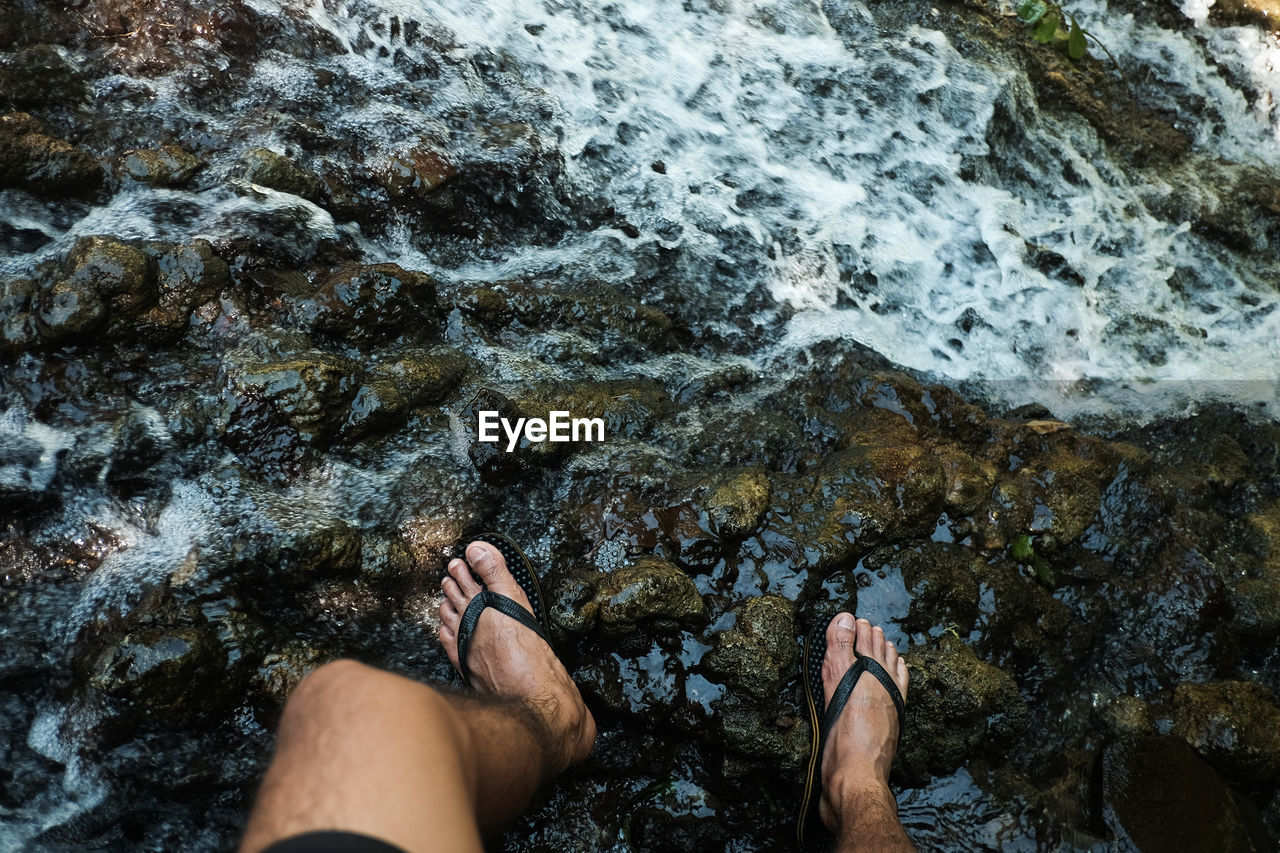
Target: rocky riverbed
246,333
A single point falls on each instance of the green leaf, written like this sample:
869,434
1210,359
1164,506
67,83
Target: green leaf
1032,10
1076,45
1020,549
1044,30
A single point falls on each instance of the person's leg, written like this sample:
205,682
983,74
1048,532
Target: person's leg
365,751
857,805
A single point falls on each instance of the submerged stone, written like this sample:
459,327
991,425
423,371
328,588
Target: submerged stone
275,171
1235,725
960,707
373,303
1161,796
38,76
166,671
166,166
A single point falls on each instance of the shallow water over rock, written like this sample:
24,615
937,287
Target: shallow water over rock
261,266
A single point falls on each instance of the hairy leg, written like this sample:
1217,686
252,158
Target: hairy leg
366,751
426,769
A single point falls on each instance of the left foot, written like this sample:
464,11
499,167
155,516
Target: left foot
861,744
506,658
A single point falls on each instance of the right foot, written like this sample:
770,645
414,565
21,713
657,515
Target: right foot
860,746
507,659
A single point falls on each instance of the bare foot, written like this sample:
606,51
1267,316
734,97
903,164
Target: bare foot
507,659
861,744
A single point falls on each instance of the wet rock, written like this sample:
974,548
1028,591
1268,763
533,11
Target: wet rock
1255,592
173,672
121,274
166,166
960,707
40,163
19,331
367,304
38,76
760,732
281,670
266,168
185,276
311,391
1235,725
858,497
415,173
597,310
739,502
70,312
942,581
391,389
649,589
1161,796
628,407
756,654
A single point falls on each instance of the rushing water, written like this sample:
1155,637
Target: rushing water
794,148
789,163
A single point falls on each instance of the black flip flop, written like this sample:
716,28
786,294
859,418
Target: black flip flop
810,832
522,570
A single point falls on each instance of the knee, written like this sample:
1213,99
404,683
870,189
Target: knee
333,689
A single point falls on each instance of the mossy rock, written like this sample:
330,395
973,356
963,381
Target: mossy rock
311,391
648,589
365,304
122,275
1235,725
19,330
166,166
596,310
738,502
960,707
757,653
43,164
267,168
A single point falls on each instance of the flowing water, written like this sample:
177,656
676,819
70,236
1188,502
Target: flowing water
787,173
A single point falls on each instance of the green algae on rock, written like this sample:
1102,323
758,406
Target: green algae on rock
648,589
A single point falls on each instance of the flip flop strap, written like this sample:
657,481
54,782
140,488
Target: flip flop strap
471,616
845,689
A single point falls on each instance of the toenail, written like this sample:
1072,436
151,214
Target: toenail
844,620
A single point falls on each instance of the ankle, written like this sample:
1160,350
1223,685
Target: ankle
858,796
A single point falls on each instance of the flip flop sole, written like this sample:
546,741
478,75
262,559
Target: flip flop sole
809,828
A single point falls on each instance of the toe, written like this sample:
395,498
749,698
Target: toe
904,676
877,644
461,573
488,563
840,632
865,637
453,594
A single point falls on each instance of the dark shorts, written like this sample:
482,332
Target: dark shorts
333,841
